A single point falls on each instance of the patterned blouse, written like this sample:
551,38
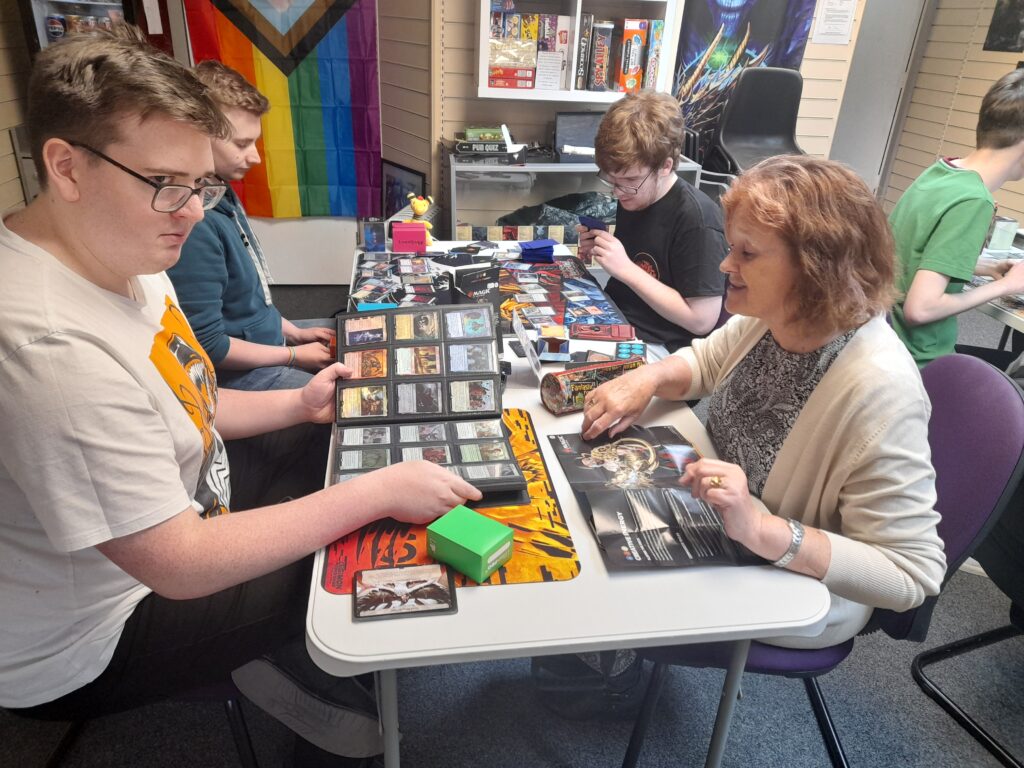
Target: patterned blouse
753,410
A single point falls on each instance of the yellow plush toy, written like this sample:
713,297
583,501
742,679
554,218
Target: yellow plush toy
420,205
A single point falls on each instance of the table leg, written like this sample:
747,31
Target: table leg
730,689
387,689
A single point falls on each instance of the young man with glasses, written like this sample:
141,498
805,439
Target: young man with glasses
128,575
222,279
663,258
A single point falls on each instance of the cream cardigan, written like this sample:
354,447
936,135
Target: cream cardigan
856,465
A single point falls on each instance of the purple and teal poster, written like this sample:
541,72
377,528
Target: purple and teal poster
719,38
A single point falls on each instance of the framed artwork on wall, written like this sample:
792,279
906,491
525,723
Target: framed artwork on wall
397,182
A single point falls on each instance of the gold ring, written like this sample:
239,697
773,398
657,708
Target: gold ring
716,481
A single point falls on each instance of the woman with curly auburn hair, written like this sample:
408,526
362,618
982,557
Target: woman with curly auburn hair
817,410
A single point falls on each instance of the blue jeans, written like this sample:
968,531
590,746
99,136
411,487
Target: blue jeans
273,376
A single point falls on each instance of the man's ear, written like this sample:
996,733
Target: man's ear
62,169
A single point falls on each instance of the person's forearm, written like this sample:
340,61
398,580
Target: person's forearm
949,304
289,330
774,537
672,377
697,315
246,355
244,414
191,557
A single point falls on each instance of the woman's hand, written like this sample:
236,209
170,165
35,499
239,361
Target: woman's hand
618,403
724,487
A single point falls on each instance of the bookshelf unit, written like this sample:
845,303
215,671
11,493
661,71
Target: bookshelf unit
602,9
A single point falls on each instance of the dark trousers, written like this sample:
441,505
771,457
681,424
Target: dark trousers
171,647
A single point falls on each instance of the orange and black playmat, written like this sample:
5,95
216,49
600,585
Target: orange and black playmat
542,547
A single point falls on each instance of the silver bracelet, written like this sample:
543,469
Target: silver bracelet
797,529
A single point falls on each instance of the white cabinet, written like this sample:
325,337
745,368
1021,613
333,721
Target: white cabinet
482,193
614,10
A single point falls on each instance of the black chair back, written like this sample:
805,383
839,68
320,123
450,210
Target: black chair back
759,119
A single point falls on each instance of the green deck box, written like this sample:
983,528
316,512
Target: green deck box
470,542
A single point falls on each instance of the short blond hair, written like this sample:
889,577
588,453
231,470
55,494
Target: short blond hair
82,88
837,233
644,129
230,89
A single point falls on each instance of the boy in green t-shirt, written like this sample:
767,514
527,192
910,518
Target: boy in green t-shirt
941,222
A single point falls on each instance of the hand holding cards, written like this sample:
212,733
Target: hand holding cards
593,223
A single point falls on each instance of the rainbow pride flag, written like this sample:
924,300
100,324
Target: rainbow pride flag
316,60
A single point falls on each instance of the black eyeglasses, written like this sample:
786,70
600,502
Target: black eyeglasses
622,188
167,198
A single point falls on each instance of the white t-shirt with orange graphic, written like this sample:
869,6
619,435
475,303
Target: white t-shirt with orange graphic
106,417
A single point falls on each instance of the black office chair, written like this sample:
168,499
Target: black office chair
759,120
1001,554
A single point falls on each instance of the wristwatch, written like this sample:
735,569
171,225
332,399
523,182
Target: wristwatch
797,529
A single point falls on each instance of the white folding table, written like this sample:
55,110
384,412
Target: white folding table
597,610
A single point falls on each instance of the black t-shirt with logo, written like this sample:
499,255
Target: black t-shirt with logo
679,240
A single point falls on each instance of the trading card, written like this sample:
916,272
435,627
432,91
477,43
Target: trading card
414,266
367,363
438,454
365,330
419,298
492,450
539,311
470,430
341,477
411,590
365,435
424,360
468,323
432,432
481,471
367,458
472,395
417,326
471,358
363,402
417,280
419,398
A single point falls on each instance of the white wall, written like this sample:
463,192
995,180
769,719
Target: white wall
309,251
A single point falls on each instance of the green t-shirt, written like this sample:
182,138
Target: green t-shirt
940,224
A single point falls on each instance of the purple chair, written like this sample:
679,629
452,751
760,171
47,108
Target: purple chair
976,434
1001,554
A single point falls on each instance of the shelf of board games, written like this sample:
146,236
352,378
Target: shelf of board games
480,194
613,10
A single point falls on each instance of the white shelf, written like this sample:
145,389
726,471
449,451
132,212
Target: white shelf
500,189
533,94
616,9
